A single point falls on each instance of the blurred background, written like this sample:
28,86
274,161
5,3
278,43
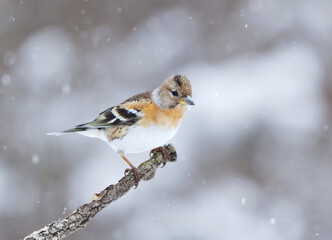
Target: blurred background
254,153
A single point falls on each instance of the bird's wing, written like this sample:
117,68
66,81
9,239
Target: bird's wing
125,114
114,116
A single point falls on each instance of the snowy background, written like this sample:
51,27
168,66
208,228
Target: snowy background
254,152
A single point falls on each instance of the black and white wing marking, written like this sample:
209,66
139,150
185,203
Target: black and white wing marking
114,116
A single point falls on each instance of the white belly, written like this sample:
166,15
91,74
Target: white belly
140,139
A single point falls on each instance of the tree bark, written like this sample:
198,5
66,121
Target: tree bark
83,215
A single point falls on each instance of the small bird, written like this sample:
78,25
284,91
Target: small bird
143,122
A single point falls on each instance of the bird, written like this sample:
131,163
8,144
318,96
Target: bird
143,122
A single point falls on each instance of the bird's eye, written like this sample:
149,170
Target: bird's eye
175,93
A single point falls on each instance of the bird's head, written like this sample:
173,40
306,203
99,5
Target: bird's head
174,91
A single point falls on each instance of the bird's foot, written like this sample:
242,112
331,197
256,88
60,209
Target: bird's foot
134,170
163,151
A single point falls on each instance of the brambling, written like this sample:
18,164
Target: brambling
142,122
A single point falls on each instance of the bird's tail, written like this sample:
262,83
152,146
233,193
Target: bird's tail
72,130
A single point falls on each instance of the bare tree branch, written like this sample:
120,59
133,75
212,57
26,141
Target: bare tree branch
83,215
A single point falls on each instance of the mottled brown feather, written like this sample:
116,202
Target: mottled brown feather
117,132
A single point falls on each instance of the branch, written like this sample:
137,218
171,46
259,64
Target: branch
83,215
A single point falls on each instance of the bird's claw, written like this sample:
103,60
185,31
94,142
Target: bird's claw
133,170
164,152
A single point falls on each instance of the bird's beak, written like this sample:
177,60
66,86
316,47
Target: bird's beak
187,100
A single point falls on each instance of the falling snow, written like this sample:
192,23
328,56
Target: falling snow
66,88
35,159
5,79
12,19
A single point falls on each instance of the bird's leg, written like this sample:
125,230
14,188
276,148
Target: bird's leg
133,169
163,151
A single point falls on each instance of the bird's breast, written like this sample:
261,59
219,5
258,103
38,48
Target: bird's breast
167,118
